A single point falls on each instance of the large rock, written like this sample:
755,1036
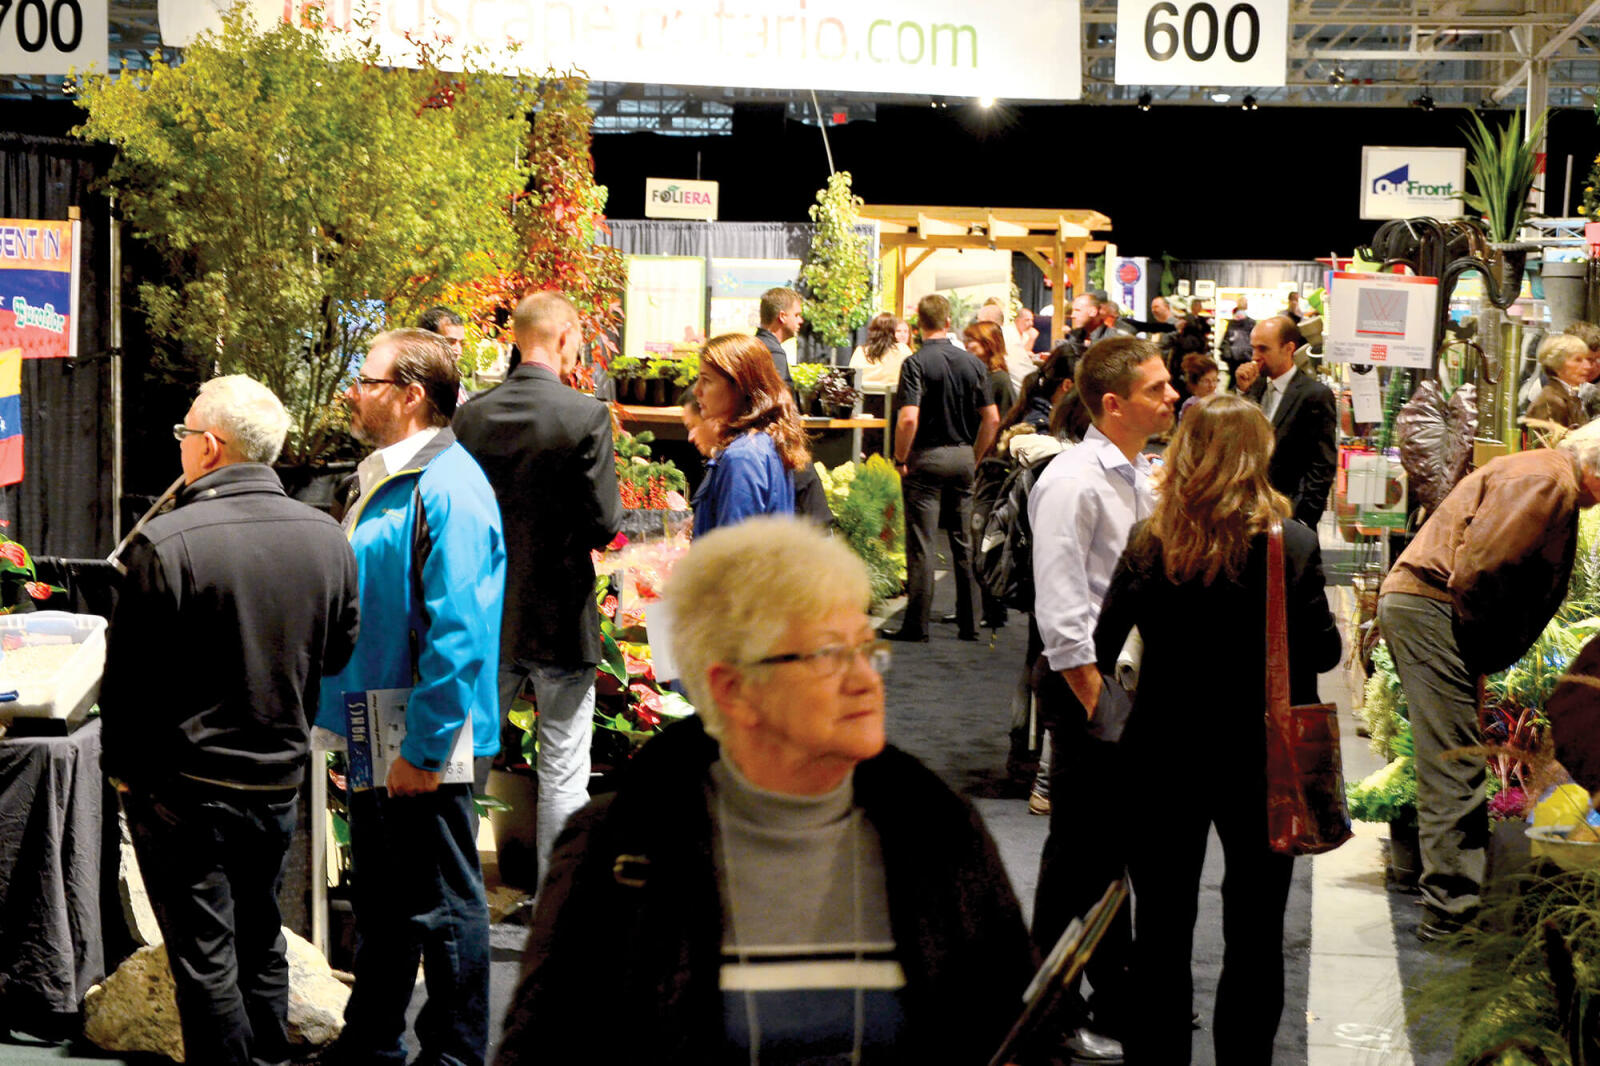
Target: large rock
135,1008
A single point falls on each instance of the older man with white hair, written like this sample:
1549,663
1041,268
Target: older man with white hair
236,604
1468,597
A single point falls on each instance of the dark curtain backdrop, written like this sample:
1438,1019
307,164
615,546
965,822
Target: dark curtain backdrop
63,505
1249,273
729,240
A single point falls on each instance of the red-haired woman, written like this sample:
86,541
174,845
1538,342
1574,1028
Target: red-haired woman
758,440
985,341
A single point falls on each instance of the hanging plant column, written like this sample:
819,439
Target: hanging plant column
837,280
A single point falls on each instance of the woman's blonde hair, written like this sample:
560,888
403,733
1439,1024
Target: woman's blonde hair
1214,493
734,596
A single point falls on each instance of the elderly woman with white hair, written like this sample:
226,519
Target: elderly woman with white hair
770,882
1567,361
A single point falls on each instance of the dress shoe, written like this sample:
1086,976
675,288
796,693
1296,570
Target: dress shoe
1038,804
1089,1048
902,636
967,634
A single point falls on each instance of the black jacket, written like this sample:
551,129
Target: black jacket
547,450
780,358
630,920
1175,707
235,605
1306,456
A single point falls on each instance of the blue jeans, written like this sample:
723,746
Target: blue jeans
213,860
564,697
418,894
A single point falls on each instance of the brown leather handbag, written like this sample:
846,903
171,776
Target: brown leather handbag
1306,809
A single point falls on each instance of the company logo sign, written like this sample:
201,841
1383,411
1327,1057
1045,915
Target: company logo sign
672,198
1426,181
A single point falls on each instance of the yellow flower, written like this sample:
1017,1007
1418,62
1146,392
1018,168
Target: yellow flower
1582,210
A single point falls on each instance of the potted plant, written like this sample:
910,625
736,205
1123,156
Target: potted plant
687,371
837,276
659,374
806,377
1389,795
837,393
865,500
626,370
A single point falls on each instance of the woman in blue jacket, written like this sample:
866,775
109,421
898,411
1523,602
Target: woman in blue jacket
759,440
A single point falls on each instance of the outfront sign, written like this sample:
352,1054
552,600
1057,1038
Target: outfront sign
936,47
1412,182
674,198
52,36
1202,42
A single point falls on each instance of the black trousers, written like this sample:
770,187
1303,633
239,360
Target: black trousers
1164,862
213,860
1085,850
937,490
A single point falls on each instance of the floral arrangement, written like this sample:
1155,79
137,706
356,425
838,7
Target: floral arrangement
807,376
837,388
644,482
865,501
19,579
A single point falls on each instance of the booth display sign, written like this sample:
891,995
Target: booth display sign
1203,42
675,198
1382,319
938,47
1128,280
736,288
1205,289
39,287
1410,182
53,36
664,305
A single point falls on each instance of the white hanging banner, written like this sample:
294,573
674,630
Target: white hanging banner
52,36
1203,42
1382,319
936,47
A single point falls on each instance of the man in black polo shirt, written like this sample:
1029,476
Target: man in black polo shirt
945,423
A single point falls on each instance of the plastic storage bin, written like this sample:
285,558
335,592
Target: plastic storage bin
70,689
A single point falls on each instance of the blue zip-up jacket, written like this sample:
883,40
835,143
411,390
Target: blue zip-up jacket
747,478
432,583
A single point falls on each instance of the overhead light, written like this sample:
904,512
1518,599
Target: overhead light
1248,104
1424,102
1220,97
1144,100
985,102
1337,77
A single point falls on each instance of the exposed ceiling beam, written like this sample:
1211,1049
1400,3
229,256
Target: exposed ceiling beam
1589,15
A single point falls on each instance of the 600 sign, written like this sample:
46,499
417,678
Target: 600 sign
1199,42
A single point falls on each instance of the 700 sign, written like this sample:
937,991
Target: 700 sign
1198,42
51,36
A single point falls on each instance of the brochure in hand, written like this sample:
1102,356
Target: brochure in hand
377,726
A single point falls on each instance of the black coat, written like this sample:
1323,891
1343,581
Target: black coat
622,963
235,606
1306,456
1202,681
547,450
780,358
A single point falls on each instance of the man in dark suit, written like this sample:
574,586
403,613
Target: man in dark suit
546,448
781,319
1303,415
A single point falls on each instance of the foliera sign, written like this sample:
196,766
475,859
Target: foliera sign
943,47
672,198
1411,182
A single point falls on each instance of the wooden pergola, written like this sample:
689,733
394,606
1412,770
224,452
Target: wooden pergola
1058,241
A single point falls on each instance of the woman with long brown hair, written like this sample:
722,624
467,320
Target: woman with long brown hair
886,348
988,343
1194,569
758,440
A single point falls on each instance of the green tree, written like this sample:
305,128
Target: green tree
305,196
836,276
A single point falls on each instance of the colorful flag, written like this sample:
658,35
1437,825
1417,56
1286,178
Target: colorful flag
11,416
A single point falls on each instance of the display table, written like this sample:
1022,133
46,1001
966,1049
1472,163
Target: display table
52,805
838,440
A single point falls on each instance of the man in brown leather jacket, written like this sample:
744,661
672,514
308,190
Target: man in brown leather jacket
1477,586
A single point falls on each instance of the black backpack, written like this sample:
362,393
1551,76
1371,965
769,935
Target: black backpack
1002,541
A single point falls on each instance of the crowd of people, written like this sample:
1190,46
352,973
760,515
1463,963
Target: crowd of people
770,880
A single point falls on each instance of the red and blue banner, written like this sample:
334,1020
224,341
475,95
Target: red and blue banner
11,416
38,289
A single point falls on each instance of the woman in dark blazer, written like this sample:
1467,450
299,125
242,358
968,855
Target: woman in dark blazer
1196,569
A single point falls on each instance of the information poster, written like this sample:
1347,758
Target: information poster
39,287
736,288
664,304
1382,319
